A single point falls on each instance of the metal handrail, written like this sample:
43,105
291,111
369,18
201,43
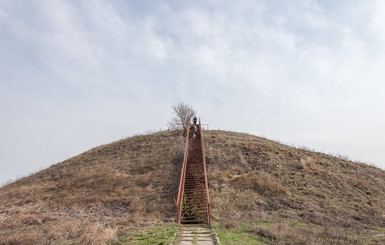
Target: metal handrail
204,168
182,179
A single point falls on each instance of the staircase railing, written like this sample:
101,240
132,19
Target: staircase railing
205,172
179,202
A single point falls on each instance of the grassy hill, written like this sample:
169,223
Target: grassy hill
261,192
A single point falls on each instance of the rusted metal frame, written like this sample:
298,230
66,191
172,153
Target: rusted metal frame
205,172
182,180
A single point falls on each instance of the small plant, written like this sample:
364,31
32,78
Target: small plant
186,209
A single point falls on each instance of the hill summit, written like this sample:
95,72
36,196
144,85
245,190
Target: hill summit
261,192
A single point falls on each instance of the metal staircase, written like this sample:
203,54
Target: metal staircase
193,204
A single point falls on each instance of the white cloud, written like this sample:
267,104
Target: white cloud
307,72
378,18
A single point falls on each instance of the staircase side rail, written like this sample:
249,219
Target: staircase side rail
182,179
205,172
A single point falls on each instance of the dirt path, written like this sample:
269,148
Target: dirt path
194,235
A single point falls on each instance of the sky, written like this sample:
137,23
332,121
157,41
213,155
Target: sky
77,74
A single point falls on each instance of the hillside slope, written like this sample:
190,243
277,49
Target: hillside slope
287,194
262,189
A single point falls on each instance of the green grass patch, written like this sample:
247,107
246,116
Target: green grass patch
380,229
232,236
147,235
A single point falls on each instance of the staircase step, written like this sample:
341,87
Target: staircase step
200,219
193,208
194,193
198,207
200,216
199,196
194,190
196,212
195,201
195,222
196,204
195,185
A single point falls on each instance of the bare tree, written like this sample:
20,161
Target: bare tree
182,117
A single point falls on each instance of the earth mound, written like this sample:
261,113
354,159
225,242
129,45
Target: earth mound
259,190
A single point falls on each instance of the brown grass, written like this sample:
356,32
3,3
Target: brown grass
308,163
260,182
84,232
283,194
92,197
300,192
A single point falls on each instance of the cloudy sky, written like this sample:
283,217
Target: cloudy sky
77,74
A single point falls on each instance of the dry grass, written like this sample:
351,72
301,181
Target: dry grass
252,179
284,195
260,182
308,163
71,230
92,197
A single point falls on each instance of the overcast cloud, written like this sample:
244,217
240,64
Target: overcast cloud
77,74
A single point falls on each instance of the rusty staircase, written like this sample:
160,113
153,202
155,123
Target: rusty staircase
193,203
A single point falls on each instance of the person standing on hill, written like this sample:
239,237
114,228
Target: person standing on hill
194,128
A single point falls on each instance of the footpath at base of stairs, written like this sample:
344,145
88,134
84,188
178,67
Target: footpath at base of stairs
195,235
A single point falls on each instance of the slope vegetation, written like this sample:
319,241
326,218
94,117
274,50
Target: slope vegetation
263,190
294,196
